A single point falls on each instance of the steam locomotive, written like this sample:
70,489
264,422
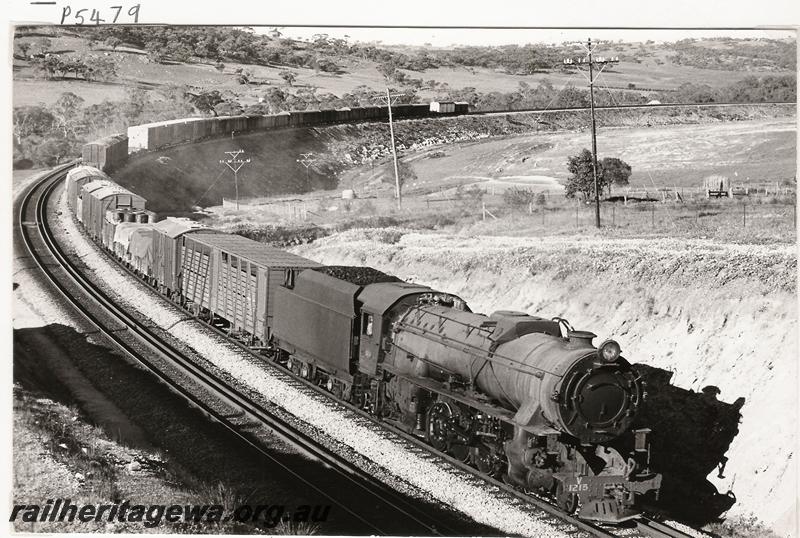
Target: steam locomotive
522,398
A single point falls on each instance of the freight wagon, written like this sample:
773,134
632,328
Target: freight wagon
140,251
152,136
235,279
107,153
77,178
167,248
97,199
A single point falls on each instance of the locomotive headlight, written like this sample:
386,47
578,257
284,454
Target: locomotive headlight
609,351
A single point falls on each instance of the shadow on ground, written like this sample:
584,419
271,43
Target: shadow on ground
135,409
691,432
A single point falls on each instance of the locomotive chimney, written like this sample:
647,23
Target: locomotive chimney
578,339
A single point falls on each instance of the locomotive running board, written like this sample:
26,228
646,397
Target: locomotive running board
438,388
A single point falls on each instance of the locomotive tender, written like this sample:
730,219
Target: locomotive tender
522,398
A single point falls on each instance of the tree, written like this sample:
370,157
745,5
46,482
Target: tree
65,110
289,77
113,42
615,171
29,120
43,45
22,49
54,149
387,69
206,101
243,76
582,180
155,52
275,98
137,102
405,172
228,108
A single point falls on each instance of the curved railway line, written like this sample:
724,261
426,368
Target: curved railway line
43,249
39,241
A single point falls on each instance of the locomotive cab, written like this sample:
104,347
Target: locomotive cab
380,305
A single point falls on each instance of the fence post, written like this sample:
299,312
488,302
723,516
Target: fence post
744,215
652,215
613,215
483,207
542,216
530,208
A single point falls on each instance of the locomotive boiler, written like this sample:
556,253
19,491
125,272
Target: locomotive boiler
522,402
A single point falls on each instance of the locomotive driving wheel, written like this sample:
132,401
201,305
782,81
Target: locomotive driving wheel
485,460
439,416
440,433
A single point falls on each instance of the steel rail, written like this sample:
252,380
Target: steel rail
352,475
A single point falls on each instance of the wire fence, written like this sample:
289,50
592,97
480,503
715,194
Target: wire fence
773,215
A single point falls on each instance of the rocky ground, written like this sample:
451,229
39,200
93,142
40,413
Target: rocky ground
714,314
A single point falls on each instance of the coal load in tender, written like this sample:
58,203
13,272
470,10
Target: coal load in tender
358,276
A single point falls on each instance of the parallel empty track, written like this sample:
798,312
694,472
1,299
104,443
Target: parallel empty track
387,507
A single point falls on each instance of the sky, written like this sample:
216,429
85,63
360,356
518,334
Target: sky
476,36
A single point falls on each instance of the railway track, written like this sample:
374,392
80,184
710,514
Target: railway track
644,526
619,107
46,252
48,256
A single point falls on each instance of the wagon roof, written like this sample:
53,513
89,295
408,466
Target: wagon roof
163,123
95,185
109,139
258,253
173,227
81,172
111,190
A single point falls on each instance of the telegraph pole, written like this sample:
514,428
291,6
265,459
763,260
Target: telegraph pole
603,62
235,164
306,160
389,99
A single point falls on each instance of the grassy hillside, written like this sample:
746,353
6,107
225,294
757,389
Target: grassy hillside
647,66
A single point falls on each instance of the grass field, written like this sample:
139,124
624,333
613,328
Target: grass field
673,156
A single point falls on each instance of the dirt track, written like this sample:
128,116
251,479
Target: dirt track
714,313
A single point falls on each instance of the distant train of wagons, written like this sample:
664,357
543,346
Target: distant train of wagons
111,152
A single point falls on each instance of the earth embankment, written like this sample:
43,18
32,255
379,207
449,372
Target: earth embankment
716,315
